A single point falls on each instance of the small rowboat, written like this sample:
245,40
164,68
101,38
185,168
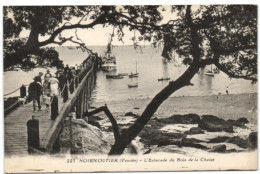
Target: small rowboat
133,86
114,76
164,79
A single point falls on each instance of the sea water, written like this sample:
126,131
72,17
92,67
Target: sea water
148,63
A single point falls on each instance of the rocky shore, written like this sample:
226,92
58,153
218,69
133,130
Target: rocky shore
191,127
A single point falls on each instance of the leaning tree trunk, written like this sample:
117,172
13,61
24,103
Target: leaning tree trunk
133,131
183,80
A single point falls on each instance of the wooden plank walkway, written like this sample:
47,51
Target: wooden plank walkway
15,123
15,127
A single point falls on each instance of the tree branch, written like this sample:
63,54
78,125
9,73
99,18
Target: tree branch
99,20
236,49
232,75
110,117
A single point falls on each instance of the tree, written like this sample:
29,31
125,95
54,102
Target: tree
223,35
50,21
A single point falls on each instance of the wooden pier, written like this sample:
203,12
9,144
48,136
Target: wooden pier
79,92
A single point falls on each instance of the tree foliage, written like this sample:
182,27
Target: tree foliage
226,34
223,35
50,21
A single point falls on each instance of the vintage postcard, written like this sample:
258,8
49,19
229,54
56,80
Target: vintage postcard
125,88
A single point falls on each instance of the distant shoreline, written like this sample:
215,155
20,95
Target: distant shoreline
231,106
177,96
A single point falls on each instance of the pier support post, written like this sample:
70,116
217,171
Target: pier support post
33,134
23,91
54,107
77,108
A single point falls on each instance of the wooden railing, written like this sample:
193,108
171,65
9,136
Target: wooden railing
78,101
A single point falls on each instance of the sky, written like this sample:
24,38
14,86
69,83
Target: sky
99,35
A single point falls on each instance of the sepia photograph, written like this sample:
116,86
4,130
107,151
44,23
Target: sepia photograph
130,88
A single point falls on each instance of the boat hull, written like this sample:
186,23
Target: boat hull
210,74
132,86
114,77
108,68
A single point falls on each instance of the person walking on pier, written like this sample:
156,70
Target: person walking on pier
46,84
54,86
35,91
66,69
39,77
70,76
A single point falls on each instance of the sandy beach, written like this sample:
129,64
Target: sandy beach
231,106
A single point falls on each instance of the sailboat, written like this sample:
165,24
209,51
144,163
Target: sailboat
132,75
133,85
209,72
109,61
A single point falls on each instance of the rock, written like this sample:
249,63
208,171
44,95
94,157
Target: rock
131,114
173,135
238,123
238,141
194,130
86,139
156,124
242,120
192,142
96,118
252,140
147,152
231,150
219,148
214,124
151,136
136,108
173,149
218,139
182,119
163,141
94,123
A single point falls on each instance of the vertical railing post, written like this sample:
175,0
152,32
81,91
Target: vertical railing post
80,104
71,86
22,91
84,98
76,81
65,93
54,107
77,108
33,134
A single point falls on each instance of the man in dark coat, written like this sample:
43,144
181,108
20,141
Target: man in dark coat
35,91
39,77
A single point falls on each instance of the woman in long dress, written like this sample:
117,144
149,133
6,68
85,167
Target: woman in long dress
54,85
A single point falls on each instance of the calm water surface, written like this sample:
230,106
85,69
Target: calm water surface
149,66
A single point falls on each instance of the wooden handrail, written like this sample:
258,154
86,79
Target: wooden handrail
52,134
